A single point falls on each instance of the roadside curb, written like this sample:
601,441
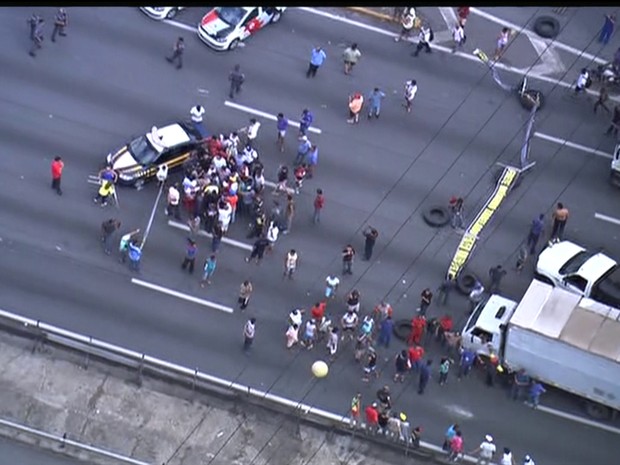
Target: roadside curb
373,13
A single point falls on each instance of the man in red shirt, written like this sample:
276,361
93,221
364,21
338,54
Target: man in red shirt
372,416
57,166
319,201
416,353
418,324
317,311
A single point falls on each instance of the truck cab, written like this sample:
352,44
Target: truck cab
483,330
615,167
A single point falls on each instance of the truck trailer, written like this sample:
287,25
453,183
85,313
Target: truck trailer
560,338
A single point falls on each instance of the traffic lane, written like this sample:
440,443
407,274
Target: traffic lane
15,452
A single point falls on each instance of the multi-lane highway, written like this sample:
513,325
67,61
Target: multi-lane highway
108,80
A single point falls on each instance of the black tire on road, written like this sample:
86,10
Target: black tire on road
402,329
276,17
531,97
172,13
465,282
436,216
547,27
234,44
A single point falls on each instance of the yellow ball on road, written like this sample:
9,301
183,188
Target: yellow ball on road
320,369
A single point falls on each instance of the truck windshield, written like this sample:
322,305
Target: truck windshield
572,265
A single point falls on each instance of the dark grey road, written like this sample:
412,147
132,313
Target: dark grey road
89,92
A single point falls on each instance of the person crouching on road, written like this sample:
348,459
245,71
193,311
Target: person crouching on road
356,102
105,191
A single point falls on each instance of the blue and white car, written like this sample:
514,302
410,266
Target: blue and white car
161,12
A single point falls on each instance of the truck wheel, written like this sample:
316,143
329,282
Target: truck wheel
402,329
436,216
598,411
465,282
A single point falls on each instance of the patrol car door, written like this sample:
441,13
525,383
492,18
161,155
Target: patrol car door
252,23
174,156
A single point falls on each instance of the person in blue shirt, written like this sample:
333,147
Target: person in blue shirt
302,150
282,125
312,158
538,224
468,358
374,99
536,389
190,255
208,270
305,122
317,58
135,254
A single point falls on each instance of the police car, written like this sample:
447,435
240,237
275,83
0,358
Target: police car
224,28
588,273
161,12
138,161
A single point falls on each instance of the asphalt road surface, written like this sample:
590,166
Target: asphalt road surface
15,452
86,94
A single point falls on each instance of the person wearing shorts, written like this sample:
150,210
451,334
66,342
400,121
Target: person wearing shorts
502,41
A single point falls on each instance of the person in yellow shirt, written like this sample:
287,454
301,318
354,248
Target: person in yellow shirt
356,102
105,191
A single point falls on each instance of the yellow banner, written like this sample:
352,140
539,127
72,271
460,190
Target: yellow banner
471,235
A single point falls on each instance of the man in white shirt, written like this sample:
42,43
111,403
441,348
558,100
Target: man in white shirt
458,35
174,197
252,131
485,451
411,88
407,22
582,81
196,113
290,263
424,39
224,215
507,458
527,460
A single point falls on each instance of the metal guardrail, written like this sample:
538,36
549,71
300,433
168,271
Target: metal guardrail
43,332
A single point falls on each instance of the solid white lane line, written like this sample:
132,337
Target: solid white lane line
583,148
202,232
180,295
254,111
467,56
609,219
515,27
578,419
187,27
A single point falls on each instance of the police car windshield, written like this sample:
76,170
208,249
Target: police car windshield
143,151
232,16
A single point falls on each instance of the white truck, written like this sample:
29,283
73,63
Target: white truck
559,337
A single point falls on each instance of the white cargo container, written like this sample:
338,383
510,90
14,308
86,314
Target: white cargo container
558,337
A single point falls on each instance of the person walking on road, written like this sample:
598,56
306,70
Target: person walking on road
536,230
208,270
371,235
356,102
106,190
463,13
407,22
57,167
348,254
290,263
560,216
536,390
485,451
496,274
319,203
245,291
527,460
356,407
108,228
456,208
317,57
455,447
177,53
60,24
173,202
191,250
425,38
411,88
123,246
458,36
615,122
500,45
312,159
305,122
603,98
583,81
351,56
258,250
608,29
520,384
36,35
444,369
426,297
289,213
425,376
386,327
236,78
249,331
282,126
302,150
374,99
33,21
135,255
